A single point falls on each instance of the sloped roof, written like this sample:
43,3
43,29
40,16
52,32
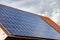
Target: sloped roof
51,23
18,22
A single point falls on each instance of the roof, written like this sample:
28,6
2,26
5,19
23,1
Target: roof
18,22
51,23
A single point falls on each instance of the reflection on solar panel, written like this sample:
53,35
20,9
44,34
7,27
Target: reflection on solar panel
23,23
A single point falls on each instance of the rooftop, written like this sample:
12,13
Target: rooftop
17,22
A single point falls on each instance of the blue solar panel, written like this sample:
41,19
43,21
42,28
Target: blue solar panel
23,23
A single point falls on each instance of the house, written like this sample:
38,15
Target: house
16,24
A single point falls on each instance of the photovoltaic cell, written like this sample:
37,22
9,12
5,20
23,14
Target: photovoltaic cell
19,22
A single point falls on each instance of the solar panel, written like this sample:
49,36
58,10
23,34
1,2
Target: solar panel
19,22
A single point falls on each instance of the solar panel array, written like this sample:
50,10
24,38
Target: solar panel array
23,23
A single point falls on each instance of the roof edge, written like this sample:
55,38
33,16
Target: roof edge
51,23
16,8
4,29
26,37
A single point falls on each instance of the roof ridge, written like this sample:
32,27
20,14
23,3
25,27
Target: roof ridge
1,5
16,8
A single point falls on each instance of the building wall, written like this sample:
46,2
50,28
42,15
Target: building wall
3,35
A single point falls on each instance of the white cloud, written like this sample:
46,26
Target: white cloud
56,16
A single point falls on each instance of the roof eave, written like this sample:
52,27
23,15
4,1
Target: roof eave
4,29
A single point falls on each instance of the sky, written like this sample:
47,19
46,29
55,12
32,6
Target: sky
49,8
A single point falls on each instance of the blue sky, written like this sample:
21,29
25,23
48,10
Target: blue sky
49,8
